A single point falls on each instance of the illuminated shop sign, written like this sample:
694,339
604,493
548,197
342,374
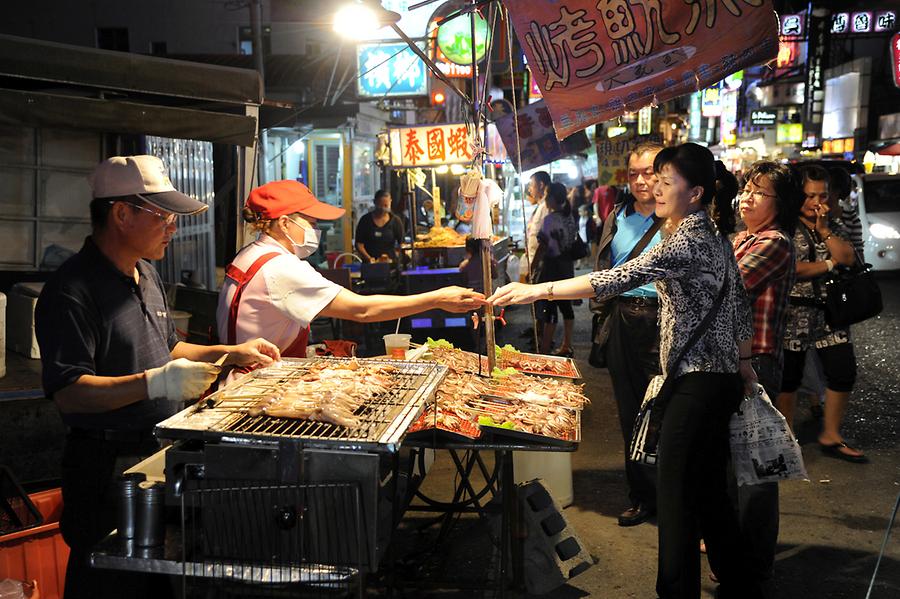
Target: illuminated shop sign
792,25
712,102
789,133
454,39
763,118
645,116
840,23
390,70
861,22
430,145
838,146
885,20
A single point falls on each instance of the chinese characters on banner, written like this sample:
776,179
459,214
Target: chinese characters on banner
594,60
430,145
537,140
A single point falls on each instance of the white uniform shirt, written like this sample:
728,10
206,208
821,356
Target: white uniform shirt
533,228
281,300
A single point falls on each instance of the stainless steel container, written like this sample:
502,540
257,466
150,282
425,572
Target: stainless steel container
128,495
149,528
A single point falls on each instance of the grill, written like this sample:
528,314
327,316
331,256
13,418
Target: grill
223,416
219,446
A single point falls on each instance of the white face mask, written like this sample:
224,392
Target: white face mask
311,238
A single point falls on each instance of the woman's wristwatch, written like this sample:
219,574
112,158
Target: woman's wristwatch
550,291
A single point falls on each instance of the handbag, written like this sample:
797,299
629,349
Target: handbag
600,326
851,295
579,249
648,424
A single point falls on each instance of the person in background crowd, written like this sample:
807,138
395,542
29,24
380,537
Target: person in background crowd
553,262
846,208
631,320
379,232
605,199
587,230
821,244
721,211
538,185
471,265
769,204
692,266
111,361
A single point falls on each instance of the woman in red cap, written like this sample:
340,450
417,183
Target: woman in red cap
270,290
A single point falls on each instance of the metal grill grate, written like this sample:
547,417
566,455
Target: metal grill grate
384,418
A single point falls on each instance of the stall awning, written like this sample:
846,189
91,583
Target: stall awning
38,109
123,71
45,84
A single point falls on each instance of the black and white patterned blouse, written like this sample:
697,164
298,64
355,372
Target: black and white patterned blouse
688,268
806,327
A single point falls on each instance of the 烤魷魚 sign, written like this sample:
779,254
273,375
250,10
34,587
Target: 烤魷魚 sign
430,145
594,60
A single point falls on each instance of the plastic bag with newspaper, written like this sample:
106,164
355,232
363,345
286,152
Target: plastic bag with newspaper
763,449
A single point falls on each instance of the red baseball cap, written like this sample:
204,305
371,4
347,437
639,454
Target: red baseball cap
278,198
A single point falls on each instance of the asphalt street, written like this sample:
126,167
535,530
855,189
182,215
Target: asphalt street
832,526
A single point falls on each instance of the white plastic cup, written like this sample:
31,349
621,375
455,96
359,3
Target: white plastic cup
396,344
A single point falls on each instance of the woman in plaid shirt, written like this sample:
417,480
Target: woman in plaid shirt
769,206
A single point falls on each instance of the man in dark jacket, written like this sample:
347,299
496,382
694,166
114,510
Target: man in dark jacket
627,325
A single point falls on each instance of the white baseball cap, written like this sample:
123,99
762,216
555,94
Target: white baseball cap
144,177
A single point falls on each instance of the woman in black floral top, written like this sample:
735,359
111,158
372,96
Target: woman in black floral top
821,245
689,268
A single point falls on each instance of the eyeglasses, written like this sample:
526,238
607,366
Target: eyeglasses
757,195
168,219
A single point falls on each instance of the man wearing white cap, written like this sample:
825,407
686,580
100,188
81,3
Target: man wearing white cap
110,357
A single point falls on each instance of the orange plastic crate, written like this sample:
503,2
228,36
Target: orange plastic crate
38,553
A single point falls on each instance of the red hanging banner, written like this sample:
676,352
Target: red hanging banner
594,60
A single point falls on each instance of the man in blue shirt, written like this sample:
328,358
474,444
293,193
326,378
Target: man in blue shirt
628,323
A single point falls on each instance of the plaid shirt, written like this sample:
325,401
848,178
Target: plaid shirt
766,262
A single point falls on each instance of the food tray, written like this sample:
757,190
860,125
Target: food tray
499,431
576,374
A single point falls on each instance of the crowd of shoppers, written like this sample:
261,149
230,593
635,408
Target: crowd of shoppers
686,239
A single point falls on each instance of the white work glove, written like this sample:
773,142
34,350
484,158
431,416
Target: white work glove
180,379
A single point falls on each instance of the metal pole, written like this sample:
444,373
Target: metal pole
486,246
259,64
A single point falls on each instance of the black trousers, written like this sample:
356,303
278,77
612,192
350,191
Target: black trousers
632,357
692,497
90,507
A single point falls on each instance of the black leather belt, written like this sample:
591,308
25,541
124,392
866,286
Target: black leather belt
112,435
638,301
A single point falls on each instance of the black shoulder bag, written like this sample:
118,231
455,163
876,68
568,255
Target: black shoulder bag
600,329
851,295
648,424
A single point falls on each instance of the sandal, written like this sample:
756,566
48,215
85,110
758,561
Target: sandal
834,451
564,353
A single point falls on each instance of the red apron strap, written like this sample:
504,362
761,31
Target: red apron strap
242,279
297,349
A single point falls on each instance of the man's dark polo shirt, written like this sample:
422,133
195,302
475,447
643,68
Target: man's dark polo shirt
93,319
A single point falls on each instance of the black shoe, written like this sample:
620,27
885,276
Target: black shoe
635,515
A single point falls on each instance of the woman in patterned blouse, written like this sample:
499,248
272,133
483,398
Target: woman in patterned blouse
689,268
822,244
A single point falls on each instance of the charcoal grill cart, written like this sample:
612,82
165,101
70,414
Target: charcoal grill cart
266,500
